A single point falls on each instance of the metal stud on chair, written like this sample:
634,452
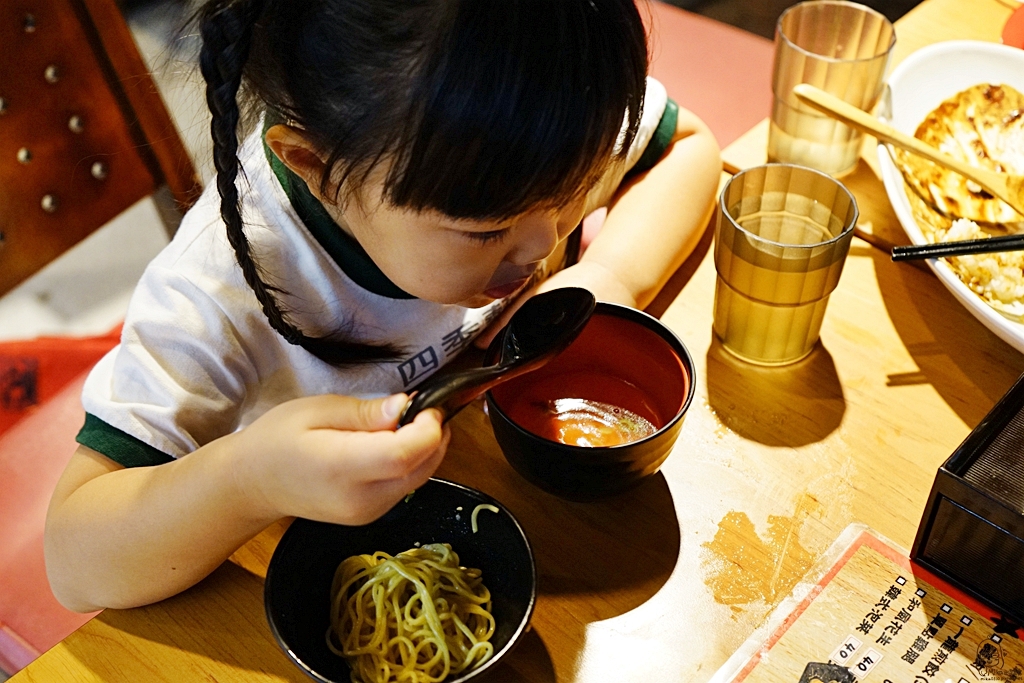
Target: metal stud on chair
74,91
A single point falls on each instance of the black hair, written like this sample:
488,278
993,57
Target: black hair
478,109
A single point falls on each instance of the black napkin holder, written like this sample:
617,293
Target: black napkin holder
972,531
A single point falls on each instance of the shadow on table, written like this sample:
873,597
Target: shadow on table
938,332
594,560
592,553
529,662
683,274
792,405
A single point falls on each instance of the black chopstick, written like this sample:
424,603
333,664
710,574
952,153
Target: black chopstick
986,245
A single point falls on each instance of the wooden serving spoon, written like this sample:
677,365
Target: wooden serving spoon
1005,186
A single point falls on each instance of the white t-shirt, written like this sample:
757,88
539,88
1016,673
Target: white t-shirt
198,359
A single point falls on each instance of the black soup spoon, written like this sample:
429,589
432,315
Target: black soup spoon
541,329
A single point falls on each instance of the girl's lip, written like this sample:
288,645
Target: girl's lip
502,291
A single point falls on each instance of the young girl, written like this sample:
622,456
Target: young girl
418,165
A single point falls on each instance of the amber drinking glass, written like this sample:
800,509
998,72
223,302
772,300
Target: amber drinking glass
782,236
842,48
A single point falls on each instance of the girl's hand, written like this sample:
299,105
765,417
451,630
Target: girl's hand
591,276
335,458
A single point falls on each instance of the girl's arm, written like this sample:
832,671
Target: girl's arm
119,537
654,222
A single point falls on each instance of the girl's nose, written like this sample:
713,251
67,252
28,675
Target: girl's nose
536,238
540,232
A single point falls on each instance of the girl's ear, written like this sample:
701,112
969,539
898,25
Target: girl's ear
297,153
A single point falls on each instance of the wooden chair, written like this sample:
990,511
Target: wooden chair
84,134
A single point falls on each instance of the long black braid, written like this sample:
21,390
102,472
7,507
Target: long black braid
227,29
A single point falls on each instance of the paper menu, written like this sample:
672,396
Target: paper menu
885,619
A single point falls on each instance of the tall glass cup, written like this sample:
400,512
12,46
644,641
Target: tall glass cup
782,236
842,48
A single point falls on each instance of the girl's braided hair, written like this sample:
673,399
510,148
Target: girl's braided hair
480,109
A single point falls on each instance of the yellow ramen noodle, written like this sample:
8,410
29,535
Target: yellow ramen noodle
417,617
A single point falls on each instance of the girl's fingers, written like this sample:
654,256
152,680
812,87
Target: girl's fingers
331,411
387,493
421,442
418,476
384,455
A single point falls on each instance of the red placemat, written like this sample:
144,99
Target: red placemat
32,371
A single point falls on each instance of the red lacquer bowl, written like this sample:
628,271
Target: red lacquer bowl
624,358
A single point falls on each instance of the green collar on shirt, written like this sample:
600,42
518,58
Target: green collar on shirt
339,245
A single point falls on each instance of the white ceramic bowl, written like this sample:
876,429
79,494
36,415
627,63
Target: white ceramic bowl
918,85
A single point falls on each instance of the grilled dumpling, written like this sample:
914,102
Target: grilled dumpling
983,126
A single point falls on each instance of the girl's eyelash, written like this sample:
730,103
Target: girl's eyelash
487,237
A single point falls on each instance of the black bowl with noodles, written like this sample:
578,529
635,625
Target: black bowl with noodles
298,585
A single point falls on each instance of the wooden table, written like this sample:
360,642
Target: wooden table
665,582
